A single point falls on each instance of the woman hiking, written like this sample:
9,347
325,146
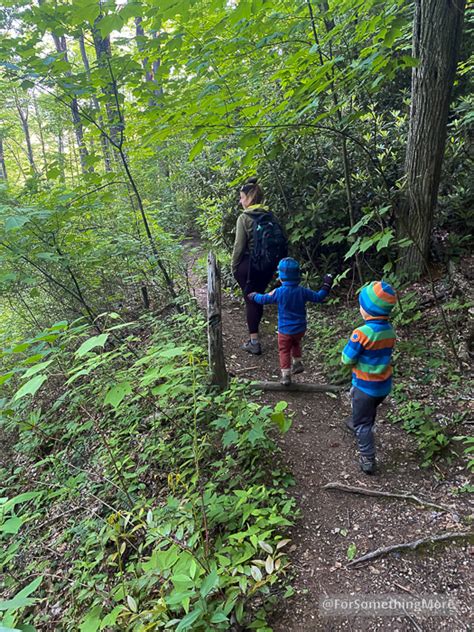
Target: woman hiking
259,246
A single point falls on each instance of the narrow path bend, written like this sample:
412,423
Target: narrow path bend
317,450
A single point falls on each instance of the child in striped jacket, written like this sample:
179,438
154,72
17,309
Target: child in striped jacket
369,352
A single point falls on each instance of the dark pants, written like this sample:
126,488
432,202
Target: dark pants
253,284
364,410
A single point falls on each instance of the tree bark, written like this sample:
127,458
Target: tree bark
61,47
110,91
217,366
3,167
436,38
40,131
106,149
23,114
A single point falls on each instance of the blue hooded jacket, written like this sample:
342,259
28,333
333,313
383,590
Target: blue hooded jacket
291,298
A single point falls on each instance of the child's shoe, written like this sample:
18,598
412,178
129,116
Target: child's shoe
254,348
297,367
285,377
367,464
350,425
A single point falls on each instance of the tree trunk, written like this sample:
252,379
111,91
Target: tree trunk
61,154
217,367
23,114
40,131
61,47
103,140
436,37
3,168
110,90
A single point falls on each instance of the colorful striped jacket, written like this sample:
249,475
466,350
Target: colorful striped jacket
369,351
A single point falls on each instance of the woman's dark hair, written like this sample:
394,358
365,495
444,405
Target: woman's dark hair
253,190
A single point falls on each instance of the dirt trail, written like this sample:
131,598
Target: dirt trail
318,450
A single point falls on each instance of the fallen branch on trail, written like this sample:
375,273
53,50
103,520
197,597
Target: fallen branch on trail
299,387
365,491
412,545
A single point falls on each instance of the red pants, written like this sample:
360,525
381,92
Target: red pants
289,345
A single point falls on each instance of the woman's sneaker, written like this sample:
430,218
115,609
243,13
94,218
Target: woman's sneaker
254,348
367,464
297,367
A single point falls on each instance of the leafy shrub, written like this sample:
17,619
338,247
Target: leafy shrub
141,482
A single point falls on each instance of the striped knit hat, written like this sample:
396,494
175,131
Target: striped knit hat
289,270
378,299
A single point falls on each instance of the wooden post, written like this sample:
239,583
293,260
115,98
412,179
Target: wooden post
217,367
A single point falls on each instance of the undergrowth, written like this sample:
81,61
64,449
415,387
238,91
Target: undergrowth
135,498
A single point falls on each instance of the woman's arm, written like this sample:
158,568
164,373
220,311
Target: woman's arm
240,243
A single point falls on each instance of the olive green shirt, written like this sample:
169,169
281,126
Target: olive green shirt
244,233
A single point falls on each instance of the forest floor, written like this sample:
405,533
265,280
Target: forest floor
318,450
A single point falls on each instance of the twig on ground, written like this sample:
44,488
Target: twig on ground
412,545
365,491
415,624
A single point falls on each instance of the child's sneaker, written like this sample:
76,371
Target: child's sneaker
285,379
350,425
367,464
254,348
297,367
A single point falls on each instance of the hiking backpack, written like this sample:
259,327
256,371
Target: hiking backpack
269,243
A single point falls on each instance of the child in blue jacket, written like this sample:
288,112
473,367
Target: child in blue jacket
291,298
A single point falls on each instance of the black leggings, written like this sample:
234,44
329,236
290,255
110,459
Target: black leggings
254,312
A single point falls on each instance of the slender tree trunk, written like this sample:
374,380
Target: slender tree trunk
23,114
436,38
17,160
114,113
40,131
3,167
61,47
106,149
61,154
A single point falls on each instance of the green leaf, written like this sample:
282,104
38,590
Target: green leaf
282,421
132,604
351,551
109,620
12,525
91,622
109,23
16,603
116,394
281,406
22,599
197,148
36,369
31,387
353,249
210,582
256,433
230,437
189,619
18,221
219,617
91,343
5,377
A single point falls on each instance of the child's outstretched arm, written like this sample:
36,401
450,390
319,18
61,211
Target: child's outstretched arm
264,299
318,297
353,348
